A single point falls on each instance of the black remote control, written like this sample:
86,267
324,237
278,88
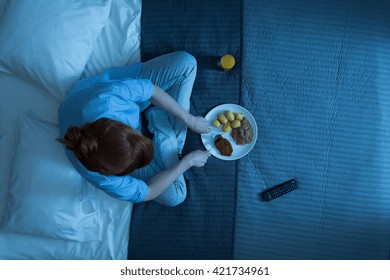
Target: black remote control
279,190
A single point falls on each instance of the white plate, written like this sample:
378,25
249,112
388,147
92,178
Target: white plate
238,150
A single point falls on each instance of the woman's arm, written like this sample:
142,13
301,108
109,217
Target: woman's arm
163,100
164,179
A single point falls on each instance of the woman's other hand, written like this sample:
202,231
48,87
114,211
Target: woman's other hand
198,124
197,158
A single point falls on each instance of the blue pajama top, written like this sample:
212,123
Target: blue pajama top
117,93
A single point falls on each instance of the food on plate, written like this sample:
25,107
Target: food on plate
229,115
236,130
226,127
235,124
229,120
216,123
243,134
222,118
238,116
223,145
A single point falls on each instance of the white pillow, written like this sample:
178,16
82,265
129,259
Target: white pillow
47,197
49,42
18,96
119,42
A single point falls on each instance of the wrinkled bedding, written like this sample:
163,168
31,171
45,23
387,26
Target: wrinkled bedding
47,210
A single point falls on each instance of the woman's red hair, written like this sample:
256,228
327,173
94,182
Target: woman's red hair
109,147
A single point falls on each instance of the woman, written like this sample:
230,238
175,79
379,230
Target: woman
101,115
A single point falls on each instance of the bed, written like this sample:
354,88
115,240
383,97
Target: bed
315,76
47,211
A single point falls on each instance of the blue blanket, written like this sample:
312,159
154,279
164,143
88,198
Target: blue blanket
201,227
316,78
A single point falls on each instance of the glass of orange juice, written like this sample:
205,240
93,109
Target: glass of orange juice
227,62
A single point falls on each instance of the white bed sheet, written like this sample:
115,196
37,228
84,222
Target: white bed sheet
117,45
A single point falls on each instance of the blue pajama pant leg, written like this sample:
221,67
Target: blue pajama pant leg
174,73
165,156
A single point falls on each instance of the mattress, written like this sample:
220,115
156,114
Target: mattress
315,77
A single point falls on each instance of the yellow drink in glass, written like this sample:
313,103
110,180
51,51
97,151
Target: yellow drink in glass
227,62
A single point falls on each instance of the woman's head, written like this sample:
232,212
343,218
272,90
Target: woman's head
109,147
